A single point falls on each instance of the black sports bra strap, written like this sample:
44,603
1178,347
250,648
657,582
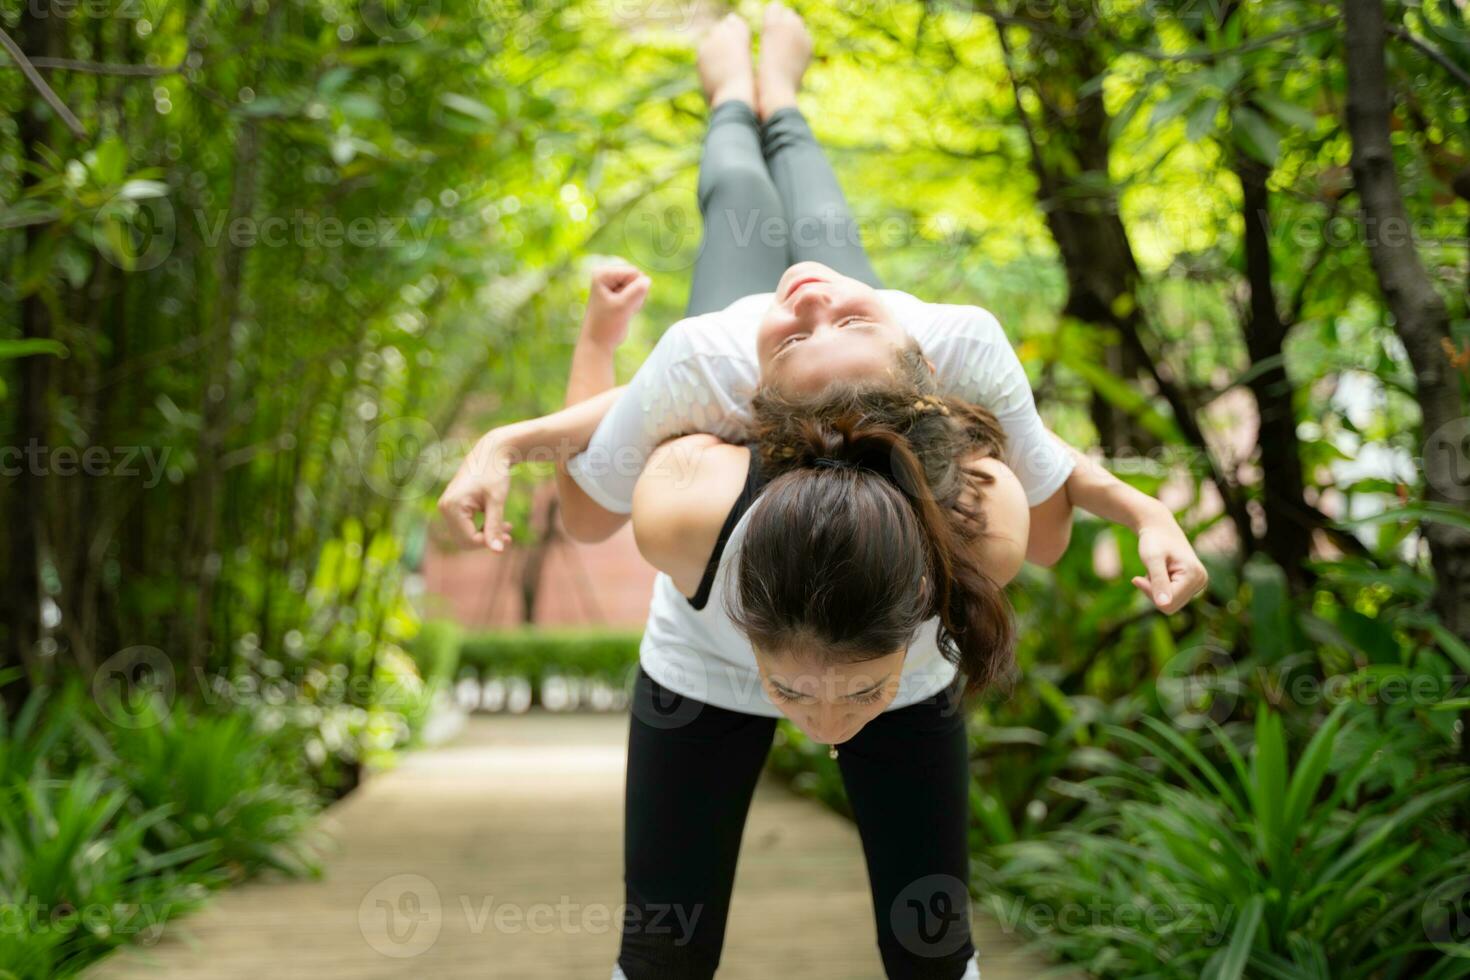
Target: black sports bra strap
754,482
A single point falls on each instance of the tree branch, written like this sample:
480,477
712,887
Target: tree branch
107,68
34,77
1430,51
1211,55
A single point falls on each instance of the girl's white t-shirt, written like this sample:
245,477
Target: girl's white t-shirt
701,377
704,372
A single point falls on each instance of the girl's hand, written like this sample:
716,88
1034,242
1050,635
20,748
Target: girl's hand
617,292
480,486
1175,574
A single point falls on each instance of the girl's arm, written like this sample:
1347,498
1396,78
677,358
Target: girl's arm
1175,573
1051,528
697,378
617,293
481,484
483,480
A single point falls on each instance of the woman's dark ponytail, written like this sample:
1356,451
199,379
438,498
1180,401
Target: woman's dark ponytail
863,532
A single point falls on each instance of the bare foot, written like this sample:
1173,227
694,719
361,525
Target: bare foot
786,50
725,66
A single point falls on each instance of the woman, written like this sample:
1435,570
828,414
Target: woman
701,729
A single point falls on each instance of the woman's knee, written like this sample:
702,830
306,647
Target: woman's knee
740,192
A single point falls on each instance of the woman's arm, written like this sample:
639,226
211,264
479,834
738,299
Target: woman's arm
1051,528
1003,548
681,501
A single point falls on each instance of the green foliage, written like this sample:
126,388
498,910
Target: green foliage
112,822
291,270
436,651
237,792
76,876
1270,864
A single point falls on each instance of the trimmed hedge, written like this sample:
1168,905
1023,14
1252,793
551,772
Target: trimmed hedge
591,655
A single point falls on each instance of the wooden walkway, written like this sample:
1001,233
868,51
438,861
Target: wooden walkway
499,855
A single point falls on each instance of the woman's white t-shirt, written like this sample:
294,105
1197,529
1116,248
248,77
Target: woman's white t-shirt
701,377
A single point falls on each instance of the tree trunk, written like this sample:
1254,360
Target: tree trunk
27,554
1419,312
1289,521
1103,277
535,562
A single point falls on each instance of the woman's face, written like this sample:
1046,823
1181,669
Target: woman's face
823,327
830,702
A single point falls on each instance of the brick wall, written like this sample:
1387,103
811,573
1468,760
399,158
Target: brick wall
604,584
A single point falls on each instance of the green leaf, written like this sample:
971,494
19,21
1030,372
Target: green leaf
1255,135
1311,769
1118,392
109,161
1125,115
1172,107
1270,610
30,347
1425,511
1233,959
1268,787
1202,120
470,107
1289,113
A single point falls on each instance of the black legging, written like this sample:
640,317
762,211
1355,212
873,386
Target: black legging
692,767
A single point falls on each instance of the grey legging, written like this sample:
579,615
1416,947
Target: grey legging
769,200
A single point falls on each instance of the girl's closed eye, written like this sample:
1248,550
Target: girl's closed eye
867,698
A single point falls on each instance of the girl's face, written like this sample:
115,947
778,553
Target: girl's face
823,327
830,702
